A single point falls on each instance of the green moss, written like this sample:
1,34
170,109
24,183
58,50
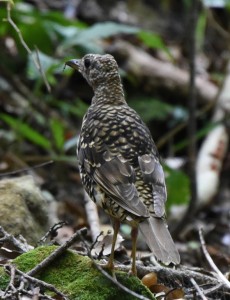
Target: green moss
29,260
74,275
4,279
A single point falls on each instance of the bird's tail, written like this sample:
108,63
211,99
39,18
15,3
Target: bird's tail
159,240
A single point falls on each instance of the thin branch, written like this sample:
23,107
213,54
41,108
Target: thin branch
183,274
22,245
52,231
40,69
9,19
41,283
220,29
211,262
11,286
58,252
213,289
197,288
26,169
170,134
95,241
35,60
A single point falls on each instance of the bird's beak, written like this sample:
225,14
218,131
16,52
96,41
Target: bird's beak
73,63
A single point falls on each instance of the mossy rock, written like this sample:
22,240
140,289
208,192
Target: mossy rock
20,200
76,277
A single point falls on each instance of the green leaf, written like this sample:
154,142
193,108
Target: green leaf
78,108
43,29
48,64
58,133
200,133
150,108
10,1
153,41
26,131
178,187
90,38
34,34
107,29
200,29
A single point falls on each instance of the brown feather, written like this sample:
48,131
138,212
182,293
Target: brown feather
159,240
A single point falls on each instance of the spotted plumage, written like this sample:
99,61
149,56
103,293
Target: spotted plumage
118,160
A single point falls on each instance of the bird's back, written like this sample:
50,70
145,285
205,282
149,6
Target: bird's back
116,131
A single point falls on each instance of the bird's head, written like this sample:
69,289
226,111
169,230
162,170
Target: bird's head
97,69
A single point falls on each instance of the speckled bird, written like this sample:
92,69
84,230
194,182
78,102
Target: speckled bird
119,163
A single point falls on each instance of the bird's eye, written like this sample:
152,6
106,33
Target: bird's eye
87,63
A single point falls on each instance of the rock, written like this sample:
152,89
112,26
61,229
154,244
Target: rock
23,208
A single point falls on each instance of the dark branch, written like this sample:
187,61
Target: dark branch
192,104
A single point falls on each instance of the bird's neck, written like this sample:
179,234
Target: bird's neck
110,92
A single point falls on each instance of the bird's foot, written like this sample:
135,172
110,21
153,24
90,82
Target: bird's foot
110,268
133,271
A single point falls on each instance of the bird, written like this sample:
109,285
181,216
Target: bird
119,163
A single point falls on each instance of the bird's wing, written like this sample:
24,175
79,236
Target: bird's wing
153,173
116,178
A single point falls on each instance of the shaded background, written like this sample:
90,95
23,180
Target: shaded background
42,104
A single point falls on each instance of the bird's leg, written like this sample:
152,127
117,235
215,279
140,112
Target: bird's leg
134,234
116,226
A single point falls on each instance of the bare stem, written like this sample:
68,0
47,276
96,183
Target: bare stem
211,262
36,59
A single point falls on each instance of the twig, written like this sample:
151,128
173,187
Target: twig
196,286
113,280
48,286
220,29
170,134
52,231
213,289
12,279
95,241
58,252
40,69
36,61
182,275
211,262
100,254
21,246
9,19
27,169
170,276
